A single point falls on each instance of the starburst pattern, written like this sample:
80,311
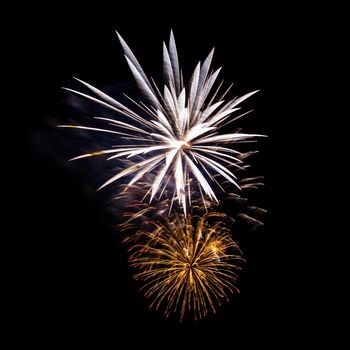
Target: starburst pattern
186,266
177,132
175,146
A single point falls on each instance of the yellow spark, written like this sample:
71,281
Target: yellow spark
186,266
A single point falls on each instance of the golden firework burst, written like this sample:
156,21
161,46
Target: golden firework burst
186,265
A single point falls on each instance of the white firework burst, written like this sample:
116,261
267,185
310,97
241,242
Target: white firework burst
177,132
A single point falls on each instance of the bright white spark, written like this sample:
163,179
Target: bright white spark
178,132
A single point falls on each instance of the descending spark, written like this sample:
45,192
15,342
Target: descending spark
186,266
136,212
178,132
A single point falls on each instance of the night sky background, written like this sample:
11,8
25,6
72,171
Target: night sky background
77,283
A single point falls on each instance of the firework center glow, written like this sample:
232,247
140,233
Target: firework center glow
181,145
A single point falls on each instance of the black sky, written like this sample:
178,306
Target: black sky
75,283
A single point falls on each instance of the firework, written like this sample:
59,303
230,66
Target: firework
186,266
175,148
178,132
